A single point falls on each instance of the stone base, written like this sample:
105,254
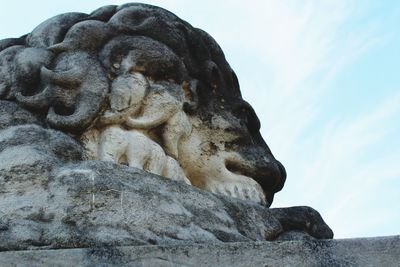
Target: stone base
378,251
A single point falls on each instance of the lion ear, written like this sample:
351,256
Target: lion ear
191,97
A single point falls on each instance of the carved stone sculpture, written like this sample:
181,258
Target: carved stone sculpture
159,100
135,85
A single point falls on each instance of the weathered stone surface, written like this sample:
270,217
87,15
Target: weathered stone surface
363,252
132,85
94,203
51,199
139,86
11,114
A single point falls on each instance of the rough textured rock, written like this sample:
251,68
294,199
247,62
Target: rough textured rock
96,203
132,71
363,252
50,198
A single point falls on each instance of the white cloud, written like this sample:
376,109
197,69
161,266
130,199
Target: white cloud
306,48
355,182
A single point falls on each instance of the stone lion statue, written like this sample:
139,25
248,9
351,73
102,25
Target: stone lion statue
138,86
98,110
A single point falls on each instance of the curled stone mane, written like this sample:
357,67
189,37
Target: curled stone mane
50,67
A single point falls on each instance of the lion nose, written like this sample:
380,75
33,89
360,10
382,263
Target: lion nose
282,176
272,176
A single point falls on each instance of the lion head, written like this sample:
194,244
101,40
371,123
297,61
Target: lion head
139,86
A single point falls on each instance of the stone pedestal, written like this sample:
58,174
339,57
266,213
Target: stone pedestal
378,251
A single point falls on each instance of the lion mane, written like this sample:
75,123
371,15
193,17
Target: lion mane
64,67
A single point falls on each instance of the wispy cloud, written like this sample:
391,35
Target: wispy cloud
330,162
347,167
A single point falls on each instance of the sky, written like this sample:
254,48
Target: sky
323,77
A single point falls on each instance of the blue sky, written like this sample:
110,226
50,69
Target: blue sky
323,76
